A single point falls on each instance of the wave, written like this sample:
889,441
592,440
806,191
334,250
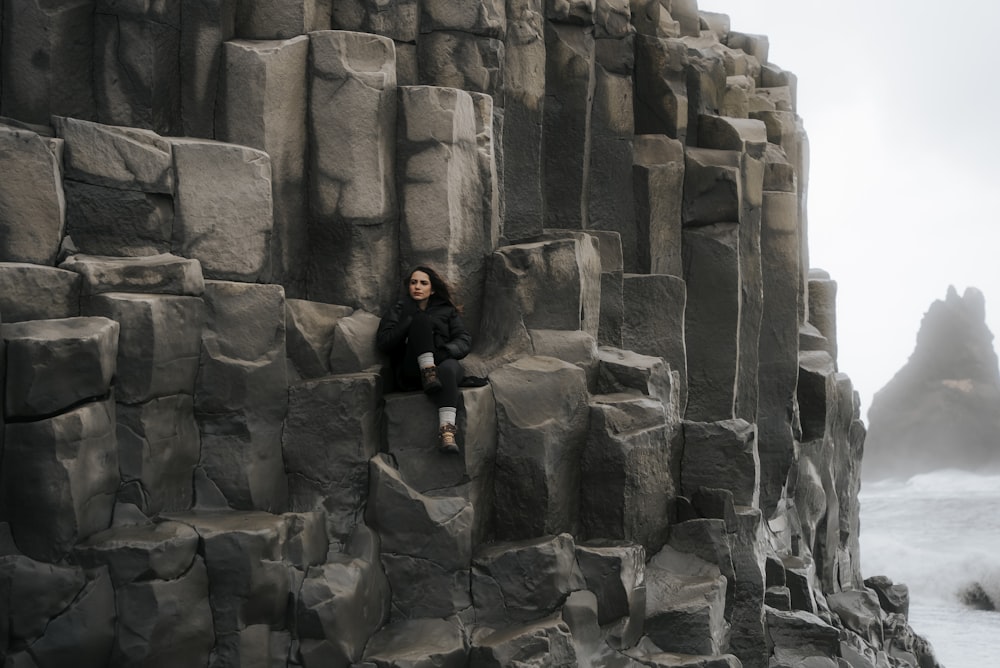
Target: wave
939,533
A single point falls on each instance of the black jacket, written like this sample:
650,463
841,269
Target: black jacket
451,338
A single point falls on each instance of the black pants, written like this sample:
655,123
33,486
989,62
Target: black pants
420,340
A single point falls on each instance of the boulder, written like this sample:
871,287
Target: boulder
306,543
156,274
721,455
712,181
61,473
125,158
627,472
48,60
542,417
165,622
411,642
577,348
33,292
799,635
326,451
158,450
441,192
137,65
339,608
569,86
158,342
110,221
223,208
627,371
860,612
523,581
426,544
309,328
615,573
35,592
893,598
478,18
241,393
352,349
143,552
547,642
32,204
52,365
685,604
661,85
353,256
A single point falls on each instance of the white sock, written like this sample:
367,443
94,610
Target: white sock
425,360
446,415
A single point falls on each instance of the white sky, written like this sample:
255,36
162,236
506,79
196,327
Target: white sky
899,100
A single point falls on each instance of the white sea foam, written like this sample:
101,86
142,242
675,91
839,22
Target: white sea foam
939,533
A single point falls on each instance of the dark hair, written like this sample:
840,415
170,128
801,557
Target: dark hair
438,284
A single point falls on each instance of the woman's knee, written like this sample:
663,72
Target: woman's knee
450,370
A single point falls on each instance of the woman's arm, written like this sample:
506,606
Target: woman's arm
459,340
394,326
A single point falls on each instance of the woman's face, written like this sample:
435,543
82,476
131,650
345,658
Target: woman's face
420,286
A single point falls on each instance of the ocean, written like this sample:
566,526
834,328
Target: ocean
939,533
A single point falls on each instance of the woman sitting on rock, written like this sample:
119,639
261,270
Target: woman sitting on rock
424,336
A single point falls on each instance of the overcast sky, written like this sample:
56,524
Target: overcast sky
899,100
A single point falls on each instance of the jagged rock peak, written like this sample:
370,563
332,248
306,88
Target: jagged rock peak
942,409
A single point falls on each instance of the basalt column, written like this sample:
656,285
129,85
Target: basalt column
353,233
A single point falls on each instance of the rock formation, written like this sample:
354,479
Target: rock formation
204,210
942,409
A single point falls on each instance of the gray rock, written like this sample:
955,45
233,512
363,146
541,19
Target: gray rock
82,634
36,592
799,635
241,394
205,27
685,604
276,20
712,186
32,205
158,342
165,622
426,545
223,208
816,369
655,323
547,642
263,105
577,348
137,65
523,94
110,221
153,551
54,364
326,451
352,168
657,178
661,86
823,310
524,581
306,544
489,131
411,437
615,573
893,598
570,11
627,471
627,371
339,608
461,60
542,419
569,85
309,328
397,20
157,274
860,612
76,453
712,320
415,643
158,450
721,455
115,157
33,292
652,17
243,556
353,347
441,191
478,18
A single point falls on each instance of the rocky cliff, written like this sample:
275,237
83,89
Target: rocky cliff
942,409
204,209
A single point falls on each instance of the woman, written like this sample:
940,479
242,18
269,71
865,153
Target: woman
424,336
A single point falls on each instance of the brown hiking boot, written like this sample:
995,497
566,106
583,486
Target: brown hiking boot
447,442
429,379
